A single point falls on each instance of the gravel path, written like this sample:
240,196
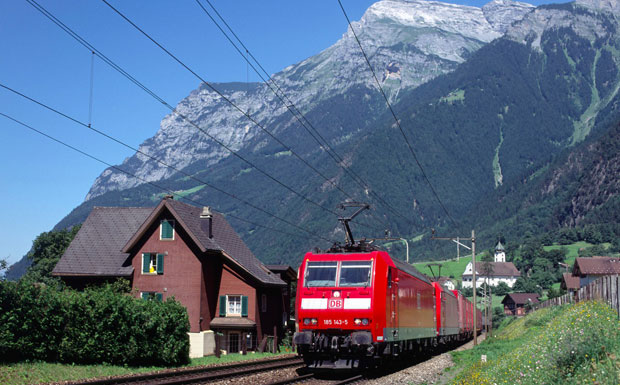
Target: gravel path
427,372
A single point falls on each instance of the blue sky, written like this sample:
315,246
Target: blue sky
42,181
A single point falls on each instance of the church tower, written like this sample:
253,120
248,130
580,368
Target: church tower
500,253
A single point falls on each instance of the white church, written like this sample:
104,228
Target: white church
501,271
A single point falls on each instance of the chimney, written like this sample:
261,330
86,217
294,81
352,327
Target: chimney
171,197
206,214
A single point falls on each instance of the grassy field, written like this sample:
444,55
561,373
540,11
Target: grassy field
568,345
451,268
454,268
42,372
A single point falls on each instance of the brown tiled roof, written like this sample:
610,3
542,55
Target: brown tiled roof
96,248
596,266
225,239
500,269
569,281
521,298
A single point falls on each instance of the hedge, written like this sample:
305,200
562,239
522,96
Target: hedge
98,325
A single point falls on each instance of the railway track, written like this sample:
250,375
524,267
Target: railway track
199,375
311,379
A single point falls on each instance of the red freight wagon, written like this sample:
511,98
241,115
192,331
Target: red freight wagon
355,308
447,313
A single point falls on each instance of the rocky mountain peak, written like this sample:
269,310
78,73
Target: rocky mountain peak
409,42
587,24
502,13
612,6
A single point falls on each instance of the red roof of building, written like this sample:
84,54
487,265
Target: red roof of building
521,298
569,281
596,266
103,244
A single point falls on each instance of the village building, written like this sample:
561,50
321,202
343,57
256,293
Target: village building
498,271
189,253
590,269
517,303
447,283
570,283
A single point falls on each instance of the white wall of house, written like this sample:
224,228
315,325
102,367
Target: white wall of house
492,281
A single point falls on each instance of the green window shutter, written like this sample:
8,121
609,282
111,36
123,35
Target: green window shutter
166,229
145,295
222,306
244,306
146,261
159,297
160,264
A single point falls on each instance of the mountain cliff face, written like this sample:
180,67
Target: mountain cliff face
408,43
486,114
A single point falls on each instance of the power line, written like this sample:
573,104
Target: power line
395,118
142,179
290,106
235,106
193,177
173,110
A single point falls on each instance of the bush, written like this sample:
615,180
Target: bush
95,326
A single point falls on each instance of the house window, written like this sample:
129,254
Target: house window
152,263
233,306
151,296
166,230
263,303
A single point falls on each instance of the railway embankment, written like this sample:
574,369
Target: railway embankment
568,345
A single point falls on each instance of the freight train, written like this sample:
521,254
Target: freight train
357,307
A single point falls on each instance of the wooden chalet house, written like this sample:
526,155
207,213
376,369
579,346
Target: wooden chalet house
191,254
515,303
590,269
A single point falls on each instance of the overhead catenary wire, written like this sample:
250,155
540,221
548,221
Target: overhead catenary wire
224,97
290,106
111,63
415,157
161,162
142,179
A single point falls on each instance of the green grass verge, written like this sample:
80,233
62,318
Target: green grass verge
448,268
38,372
568,345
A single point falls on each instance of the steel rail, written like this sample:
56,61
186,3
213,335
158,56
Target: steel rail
209,373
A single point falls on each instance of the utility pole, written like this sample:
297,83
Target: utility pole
473,265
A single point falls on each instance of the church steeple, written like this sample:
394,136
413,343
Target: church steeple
500,253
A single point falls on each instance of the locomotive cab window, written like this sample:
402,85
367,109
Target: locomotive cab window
355,273
321,274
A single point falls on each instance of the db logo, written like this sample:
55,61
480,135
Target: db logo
335,303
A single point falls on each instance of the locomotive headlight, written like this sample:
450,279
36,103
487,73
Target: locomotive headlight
357,321
364,321
314,321
336,294
306,321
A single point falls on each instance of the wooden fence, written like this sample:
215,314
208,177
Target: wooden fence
606,289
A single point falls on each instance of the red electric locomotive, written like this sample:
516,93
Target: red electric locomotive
356,308
356,305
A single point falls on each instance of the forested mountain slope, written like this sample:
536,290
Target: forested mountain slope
499,119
